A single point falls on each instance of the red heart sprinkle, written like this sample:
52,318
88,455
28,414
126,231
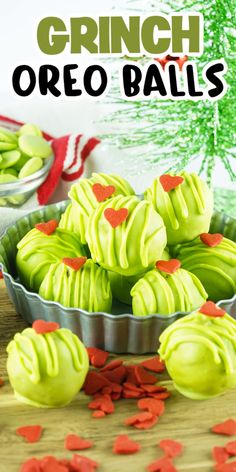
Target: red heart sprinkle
156,407
170,267
116,217
230,467
180,60
94,382
112,365
51,464
47,228
31,434
97,357
102,402
231,448
74,262
227,428
102,192
31,465
42,327
1,382
148,424
210,309
163,464
1,275
78,463
211,240
219,454
124,445
169,182
117,375
98,414
155,364
76,443
144,377
171,448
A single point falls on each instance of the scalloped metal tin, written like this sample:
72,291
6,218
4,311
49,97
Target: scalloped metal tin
120,332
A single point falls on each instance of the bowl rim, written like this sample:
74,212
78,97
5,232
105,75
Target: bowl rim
72,310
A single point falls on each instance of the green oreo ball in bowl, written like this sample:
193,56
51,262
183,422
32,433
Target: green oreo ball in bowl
25,160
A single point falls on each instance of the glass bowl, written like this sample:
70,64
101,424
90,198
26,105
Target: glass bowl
17,192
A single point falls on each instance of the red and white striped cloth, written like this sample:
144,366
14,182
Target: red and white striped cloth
70,152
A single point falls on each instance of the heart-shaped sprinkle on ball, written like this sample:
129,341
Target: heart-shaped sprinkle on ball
210,309
31,434
211,240
116,217
43,327
74,262
170,267
47,228
170,182
102,192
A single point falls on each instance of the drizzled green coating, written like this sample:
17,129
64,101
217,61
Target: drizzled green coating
186,210
200,354
84,200
68,221
122,285
214,266
37,251
87,288
134,245
46,370
162,293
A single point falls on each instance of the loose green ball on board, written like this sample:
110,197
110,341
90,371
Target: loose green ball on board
46,370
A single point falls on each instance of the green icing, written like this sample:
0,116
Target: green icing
84,200
121,285
37,251
186,210
46,370
214,266
134,245
87,288
162,293
200,354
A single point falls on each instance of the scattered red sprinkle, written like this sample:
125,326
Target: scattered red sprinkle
180,60
170,182
170,267
98,414
220,454
116,217
79,462
231,467
31,465
124,445
164,464
143,377
230,447
210,309
102,402
143,420
94,382
1,382
74,263
155,364
51,464
102,192
97,357
47,228
211,240
76,443
117,375
43,327
148,424
160,395
31,433
112,365
156,407
171,448
153,388
227,428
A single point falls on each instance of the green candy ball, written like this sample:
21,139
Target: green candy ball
186,210
46,370
214,266
163,293
84,201
134,245
87,288
37,251
200,355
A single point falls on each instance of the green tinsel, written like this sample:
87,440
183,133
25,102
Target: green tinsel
174,133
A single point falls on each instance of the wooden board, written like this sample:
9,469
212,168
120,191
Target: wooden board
184,420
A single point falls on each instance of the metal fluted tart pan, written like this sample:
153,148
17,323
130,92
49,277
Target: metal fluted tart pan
119,332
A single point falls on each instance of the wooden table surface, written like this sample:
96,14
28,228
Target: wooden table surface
184,420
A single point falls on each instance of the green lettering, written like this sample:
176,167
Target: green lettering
56,43
148,28
192,34
85,39
128,34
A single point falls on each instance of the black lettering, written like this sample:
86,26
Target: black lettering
173,83
88,76
68,81
153,72
131,87
46,83
212,77
16,80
